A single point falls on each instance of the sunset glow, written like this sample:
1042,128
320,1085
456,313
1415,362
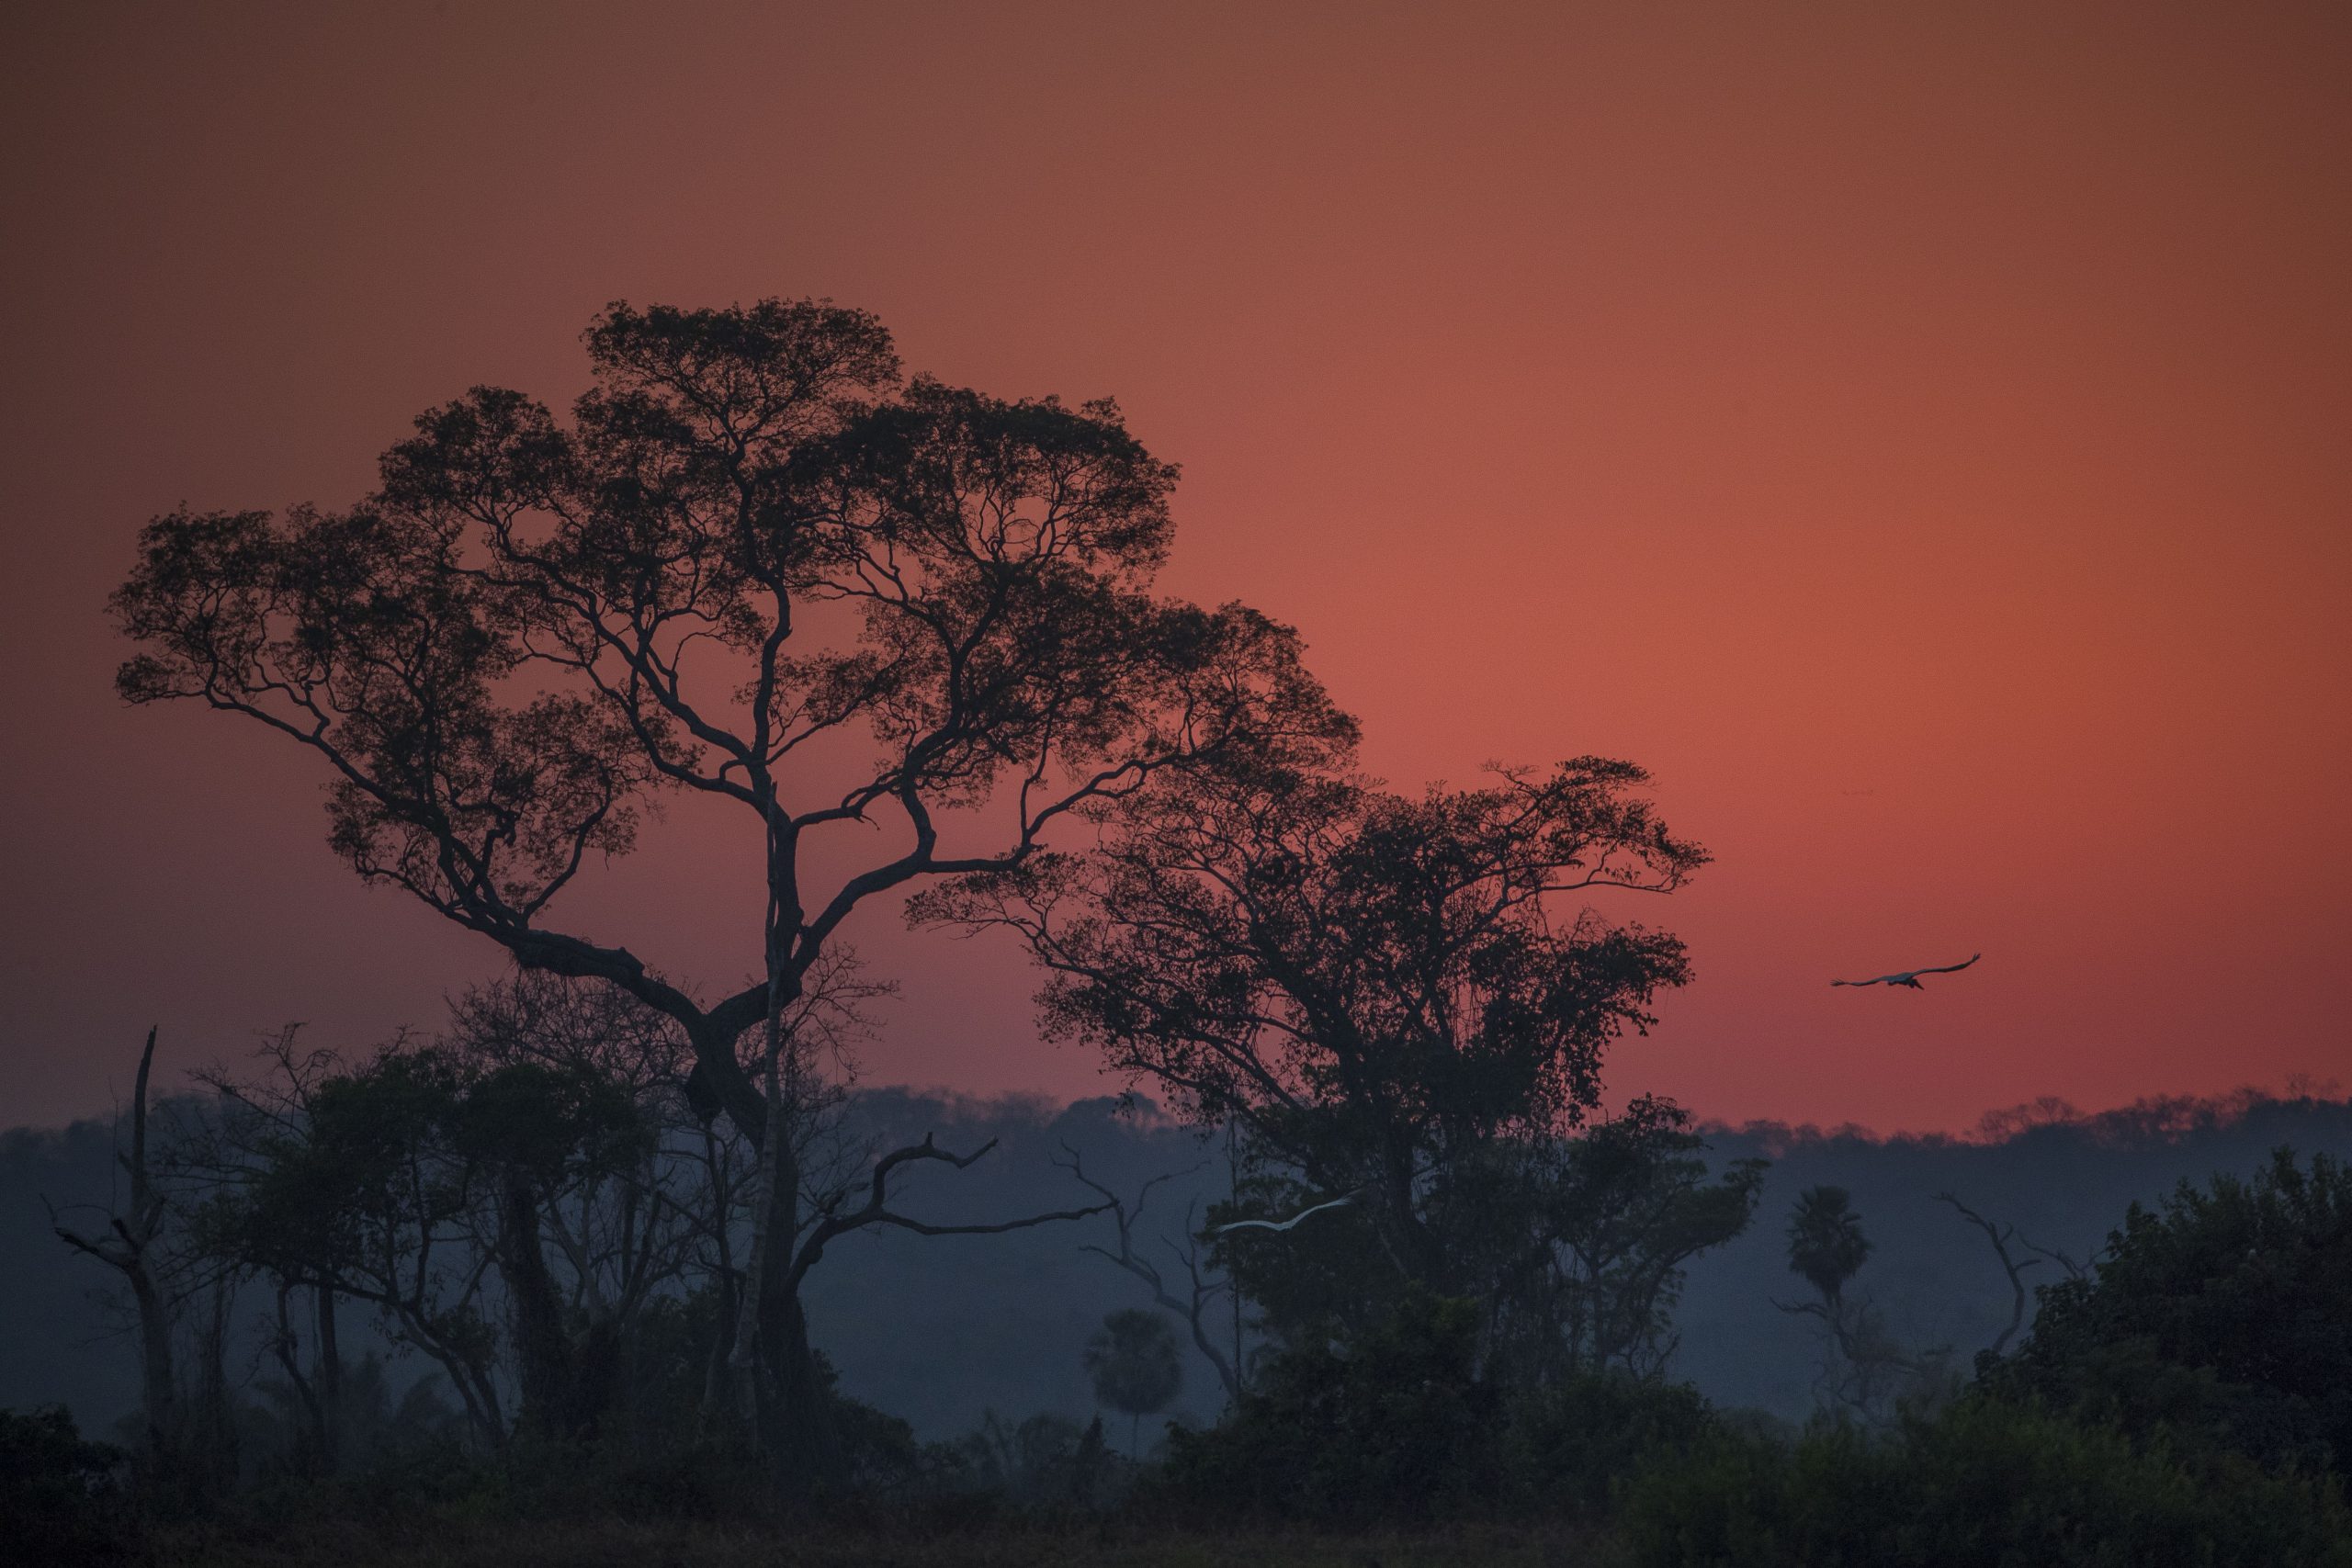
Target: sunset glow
1915,434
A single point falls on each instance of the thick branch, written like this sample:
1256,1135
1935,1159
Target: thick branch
877,1213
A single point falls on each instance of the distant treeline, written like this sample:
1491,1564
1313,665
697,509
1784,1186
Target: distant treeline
942,1332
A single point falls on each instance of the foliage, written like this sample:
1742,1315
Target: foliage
1981,1482
1568,1448
58,1491
1394,1424
1135,1363
1375,984
1865,1374
1588,1238
752,539
1394,1001
1826,1246
277,1428
1402,1423
1045,1461
395,1181
2223,1316
1576,1246
758,566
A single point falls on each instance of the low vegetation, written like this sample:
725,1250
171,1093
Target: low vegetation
532,1290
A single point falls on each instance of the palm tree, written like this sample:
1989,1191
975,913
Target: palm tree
1826,1241
1136,1368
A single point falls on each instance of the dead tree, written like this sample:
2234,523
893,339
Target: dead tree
130,1245
2076,1269
1193,1306
2001,1237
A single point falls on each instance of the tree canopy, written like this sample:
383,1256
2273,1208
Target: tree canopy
1377,985
2224,1313
756,564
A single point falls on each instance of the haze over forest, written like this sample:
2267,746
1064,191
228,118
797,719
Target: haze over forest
943,1332
1050,784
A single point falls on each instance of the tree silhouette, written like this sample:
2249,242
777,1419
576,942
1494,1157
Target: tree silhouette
2219,1314
1612,1217
1826,1246
1201,1293
1376,987
757,567
133,1245
1865,1370
1133,1361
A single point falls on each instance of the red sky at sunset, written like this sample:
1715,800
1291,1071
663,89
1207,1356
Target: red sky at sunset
1921,435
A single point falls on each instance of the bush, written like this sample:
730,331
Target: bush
1568,1450
1394,1425
1400,1426
56,1489
1983,1483
2224,1317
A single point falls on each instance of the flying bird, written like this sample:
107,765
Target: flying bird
1284,1225
1909,976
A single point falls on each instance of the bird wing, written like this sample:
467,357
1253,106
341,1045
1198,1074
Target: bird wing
1950,968
1873,980
1285,1225
1304,1212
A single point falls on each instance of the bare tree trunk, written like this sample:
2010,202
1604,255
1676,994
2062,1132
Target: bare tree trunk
1195,1309
541,1347
2000,1237
130,1251
215,1469
768,1177
329,1377
717,1387
286,1344
801,1435
154,1312
159,1389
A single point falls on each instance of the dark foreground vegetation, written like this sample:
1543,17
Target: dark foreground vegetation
535,1288
2182,1401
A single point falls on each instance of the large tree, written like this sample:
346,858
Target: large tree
754,566
1378,986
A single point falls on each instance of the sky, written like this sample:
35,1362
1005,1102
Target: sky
1918,433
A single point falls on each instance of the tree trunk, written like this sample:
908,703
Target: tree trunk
800,1438
214,1471
774,1206
552,1403
718,1385
159,1389
329,1377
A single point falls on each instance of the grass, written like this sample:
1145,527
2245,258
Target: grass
616,1544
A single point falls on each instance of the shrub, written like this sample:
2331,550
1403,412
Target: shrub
56,1488
1400,1425
2225,1317
1395,1425
1568,1449
1983,1483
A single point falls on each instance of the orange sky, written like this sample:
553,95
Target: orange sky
1921,435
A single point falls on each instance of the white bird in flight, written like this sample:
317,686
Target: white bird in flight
1284,1225
1909,976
